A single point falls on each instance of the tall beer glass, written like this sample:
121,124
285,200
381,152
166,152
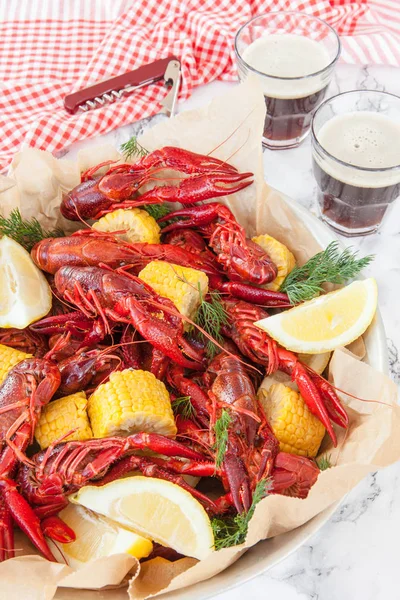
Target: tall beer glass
293,56
356,159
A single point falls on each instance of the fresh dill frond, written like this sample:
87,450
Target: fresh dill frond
157,211
25,232
324,462
328,266
211,316
232,531
221,430
132,148
183,406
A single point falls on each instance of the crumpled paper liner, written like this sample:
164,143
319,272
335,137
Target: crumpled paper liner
229,128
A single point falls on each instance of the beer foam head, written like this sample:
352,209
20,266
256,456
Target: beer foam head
365,139
288,55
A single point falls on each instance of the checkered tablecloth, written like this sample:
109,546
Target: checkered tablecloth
50,48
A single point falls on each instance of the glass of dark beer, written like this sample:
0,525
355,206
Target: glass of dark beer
356,159
293,56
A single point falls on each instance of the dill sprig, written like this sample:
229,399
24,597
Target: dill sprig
25,232
329,266
232,531
157,211
324,462
211,316
183,406
132,148
221,430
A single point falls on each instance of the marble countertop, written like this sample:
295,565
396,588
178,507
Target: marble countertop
354,555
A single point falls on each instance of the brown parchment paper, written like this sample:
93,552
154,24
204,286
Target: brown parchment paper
230,128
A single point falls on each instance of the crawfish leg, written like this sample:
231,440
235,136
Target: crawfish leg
6,532
25,517
335,410
238,481
55,528
290,364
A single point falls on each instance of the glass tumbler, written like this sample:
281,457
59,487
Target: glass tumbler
293,56
356,159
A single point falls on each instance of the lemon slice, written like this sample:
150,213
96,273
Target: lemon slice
25,295
97,536
327,322
157,509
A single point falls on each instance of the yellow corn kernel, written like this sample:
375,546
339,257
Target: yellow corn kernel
131,401
9,357
184,286
61,416
139,225
280,255
296,428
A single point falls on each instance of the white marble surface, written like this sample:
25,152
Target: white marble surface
355,554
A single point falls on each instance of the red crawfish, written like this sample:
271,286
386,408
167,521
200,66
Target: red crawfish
53,474
195,243
251,451
117,297
90,248
206,178
28,387
256,344
242,259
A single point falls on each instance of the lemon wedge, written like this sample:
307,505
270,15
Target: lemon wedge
326,322
25,295
157,509
97,536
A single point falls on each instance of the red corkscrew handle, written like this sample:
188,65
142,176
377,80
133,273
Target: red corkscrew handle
113,88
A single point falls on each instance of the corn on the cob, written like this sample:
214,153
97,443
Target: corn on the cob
296,428
9,357
61,416
131,401
184,286
280,255
139,225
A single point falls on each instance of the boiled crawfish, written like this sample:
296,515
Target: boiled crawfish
53,474
88,248
118,297
28,387
252,450
207,178
241,258
257,345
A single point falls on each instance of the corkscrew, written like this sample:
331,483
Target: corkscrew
114,89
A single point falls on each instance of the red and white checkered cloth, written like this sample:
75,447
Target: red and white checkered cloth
50,48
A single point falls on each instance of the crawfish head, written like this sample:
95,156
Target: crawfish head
84,201
25,340
86,369
28,387
232,387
